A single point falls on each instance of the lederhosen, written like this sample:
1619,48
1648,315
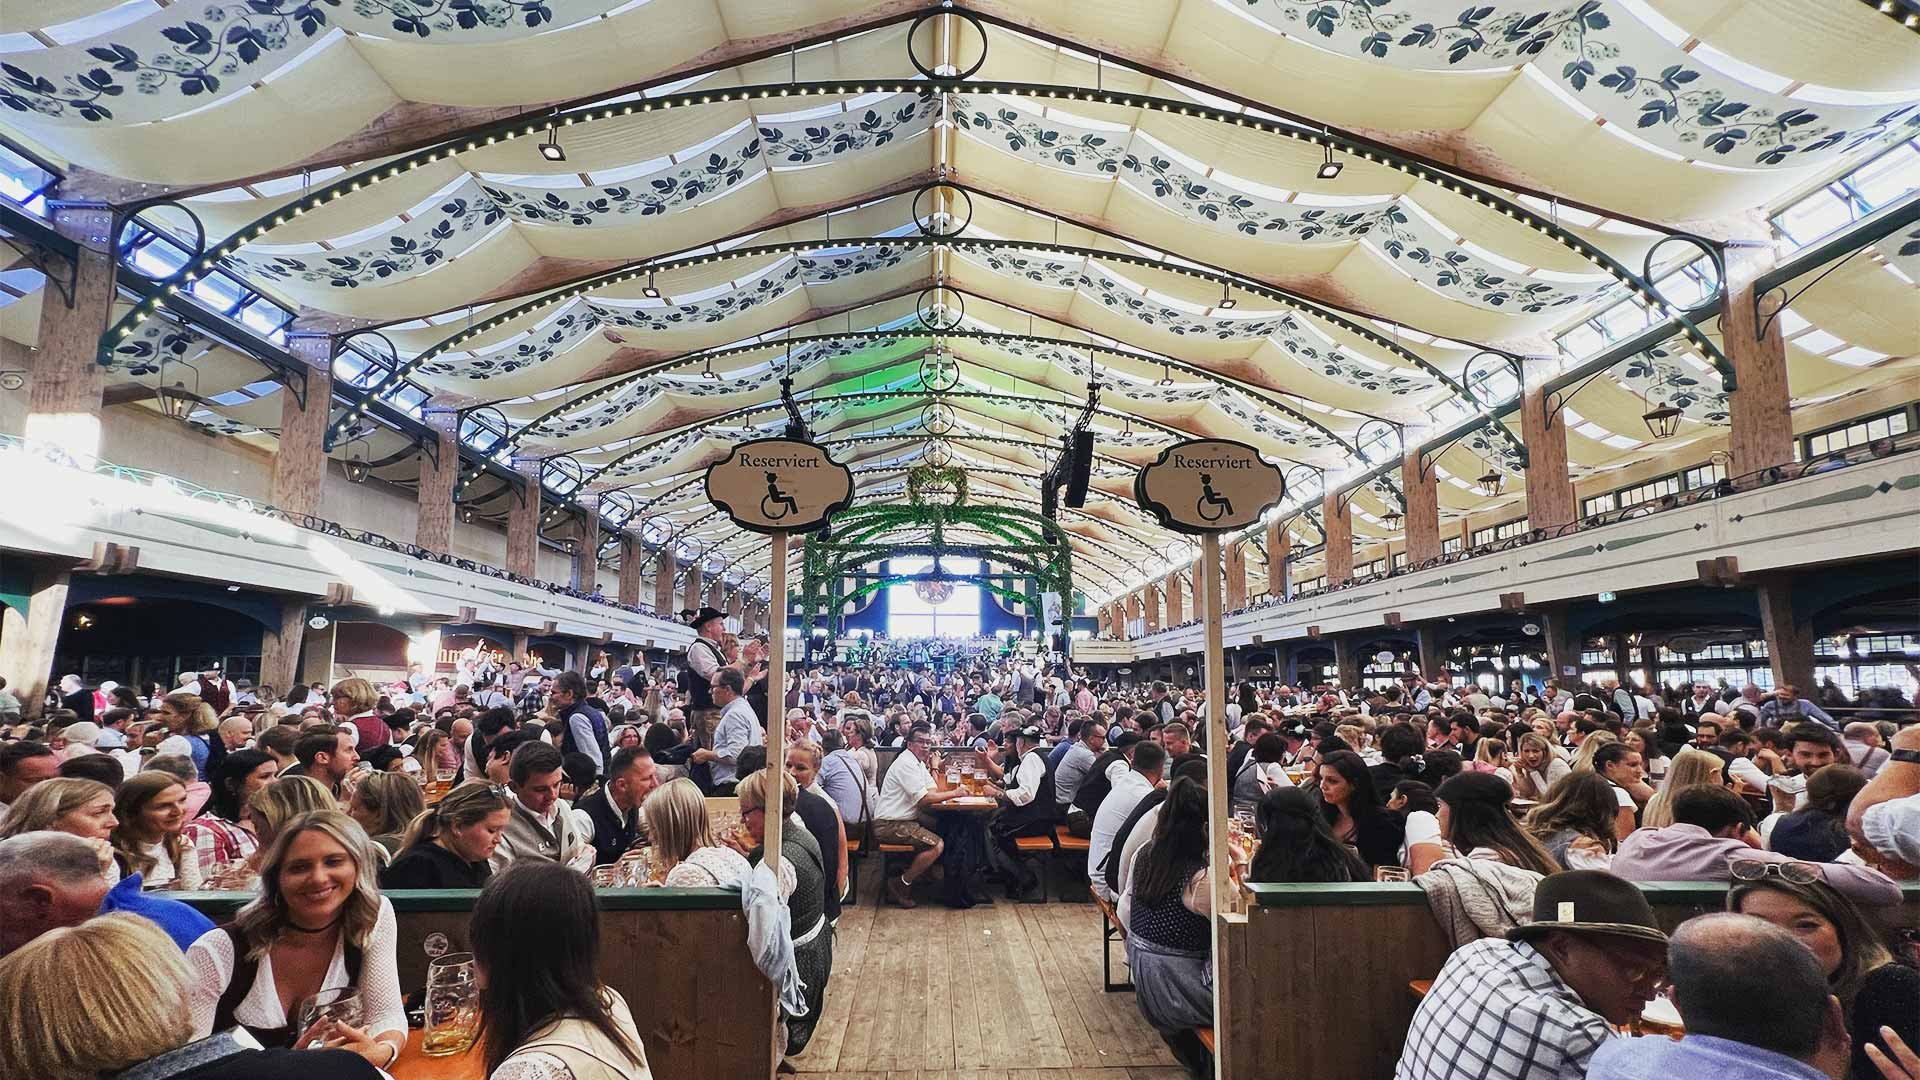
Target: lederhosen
240,984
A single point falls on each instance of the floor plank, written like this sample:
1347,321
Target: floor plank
999,992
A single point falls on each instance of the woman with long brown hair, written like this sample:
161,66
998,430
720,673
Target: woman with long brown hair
544,1013
151,808
1575,821
448,845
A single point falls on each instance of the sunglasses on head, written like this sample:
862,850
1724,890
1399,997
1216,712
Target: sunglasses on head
1793,872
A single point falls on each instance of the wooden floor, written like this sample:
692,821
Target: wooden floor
998,992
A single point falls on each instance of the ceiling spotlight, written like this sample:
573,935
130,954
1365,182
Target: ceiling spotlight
1663,422
1329,168
708,372
651,292
1227,302
1491,483
551,148
1166,378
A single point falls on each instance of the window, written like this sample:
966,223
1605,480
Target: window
1858,433
1649,491
1377,566
1451,545
1311,584
1599,504
1399,559
1702,476
1503,531
910,616
1881,181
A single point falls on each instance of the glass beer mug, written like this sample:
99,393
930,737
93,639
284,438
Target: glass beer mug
453,1006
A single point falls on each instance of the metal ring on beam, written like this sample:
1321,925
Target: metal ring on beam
924,222
932,74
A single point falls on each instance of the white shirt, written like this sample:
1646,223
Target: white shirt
1137,839
906,782
1114,811
738,729
1893,828
1027,778
211,958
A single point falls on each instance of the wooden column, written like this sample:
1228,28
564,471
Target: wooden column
1762,421
1346,662
280,649
300,461
586,542
316,654
1207,592
632,561
1563,647
1427,643
749,617
64,397
1789,636
439,470
523,521
664,568
1150,602
1336,519
1423,509
28,638
690,595
1174,612
734,610
1279,547
1134,611
1550,499
1236,571
716,594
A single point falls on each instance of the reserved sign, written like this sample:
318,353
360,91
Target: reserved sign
1208,485
779,485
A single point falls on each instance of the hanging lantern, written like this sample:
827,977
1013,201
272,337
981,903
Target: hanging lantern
1491,483
175,401
1663,422
1392,519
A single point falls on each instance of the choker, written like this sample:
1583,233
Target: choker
291,925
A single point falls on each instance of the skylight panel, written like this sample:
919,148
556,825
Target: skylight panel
1739,69
105,22
1791,322
1818,341
1857,356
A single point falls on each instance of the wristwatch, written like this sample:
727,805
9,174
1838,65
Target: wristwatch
1911,757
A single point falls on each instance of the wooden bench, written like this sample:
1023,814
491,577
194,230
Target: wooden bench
1066,843
1044,847
1111,931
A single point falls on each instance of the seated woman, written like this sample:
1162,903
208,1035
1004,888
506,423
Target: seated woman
1296,844
151,807
109,996
447,845
64,804
1536,769
385,804
684,852
1354,812
1475,823
1575,821
220,837
1169,936
317,922
1689,768
1874,990
1261,771
806,900
1817,832
272,807
544,1013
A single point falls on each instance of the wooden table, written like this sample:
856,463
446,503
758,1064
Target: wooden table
412,1064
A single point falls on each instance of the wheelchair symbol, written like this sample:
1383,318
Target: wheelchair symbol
1212,506
777,500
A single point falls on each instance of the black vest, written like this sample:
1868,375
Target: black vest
1096,787
1041,811
699,690
611,836
597,721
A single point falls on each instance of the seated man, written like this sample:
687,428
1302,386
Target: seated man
1885,816
53,879
1712,832
1755,1004
542,824
1073,771
1149,766
1028,809
905,793
1536,1004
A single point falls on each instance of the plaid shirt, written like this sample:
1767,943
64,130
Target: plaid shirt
1499,1011
218,842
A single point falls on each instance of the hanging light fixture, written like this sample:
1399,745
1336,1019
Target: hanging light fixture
1166,376
1392,519
466,513
652,291
1329,168
708,372
176,401
1663,422
551,149
1227,302
356,466
1491,483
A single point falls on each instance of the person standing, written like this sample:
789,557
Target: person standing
586,726
703,659
738,728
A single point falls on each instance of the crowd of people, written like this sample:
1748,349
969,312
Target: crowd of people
1511,810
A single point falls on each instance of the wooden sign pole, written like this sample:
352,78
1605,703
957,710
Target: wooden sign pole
1210,570
776,735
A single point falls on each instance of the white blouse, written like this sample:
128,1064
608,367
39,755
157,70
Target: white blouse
721,867
212,961
165,872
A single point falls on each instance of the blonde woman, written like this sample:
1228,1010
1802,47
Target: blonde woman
356,704
1536,769
109,996
192,726
684,851
385,804
1589,746
1690,768
272,807
319,921
69,805
151,808
447,847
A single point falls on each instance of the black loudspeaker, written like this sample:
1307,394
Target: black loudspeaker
1079,467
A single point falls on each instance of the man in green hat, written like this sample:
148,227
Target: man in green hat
1536,1004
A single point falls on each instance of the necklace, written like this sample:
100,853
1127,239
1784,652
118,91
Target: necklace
335,921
